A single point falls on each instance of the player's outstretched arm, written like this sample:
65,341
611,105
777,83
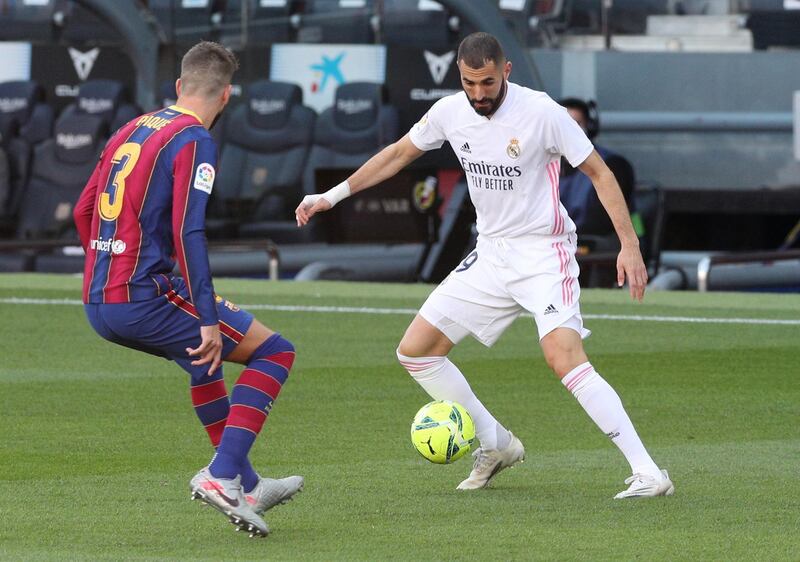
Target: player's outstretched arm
380,167
630,264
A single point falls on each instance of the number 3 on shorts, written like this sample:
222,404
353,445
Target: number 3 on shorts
468,261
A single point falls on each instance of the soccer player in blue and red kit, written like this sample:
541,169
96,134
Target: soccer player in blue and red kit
144,208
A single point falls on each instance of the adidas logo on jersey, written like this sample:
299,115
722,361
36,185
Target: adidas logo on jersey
465,148
550,310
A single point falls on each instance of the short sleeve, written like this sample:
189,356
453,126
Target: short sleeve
565,137
427,133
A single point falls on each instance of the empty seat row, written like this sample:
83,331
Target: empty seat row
230,21
49,155
270,147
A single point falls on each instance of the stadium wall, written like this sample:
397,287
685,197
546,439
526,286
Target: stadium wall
689,120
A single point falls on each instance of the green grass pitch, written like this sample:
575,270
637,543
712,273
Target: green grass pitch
99,442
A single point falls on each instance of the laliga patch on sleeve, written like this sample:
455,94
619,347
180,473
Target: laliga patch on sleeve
204,178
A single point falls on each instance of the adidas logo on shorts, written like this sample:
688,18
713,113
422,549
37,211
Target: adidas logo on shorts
550,310
465,148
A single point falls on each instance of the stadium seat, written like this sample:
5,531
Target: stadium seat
337,21
433,25
186,23
267,21
60,168
28,21
24,121
264,148
106,99
357,126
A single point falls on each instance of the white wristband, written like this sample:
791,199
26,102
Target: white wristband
336,194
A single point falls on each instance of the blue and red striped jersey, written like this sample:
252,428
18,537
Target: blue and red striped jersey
144,208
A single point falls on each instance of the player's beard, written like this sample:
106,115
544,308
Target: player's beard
493,104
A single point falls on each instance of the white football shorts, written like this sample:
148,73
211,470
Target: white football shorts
504,277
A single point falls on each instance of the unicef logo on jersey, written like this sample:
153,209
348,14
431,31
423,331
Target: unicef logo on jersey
116,247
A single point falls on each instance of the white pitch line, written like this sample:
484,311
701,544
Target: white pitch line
407,311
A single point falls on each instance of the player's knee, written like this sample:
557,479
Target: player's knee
557,362
562,354
277,349
420,366
284,345
424,341
405,349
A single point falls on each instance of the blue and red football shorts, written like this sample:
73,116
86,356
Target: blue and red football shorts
166,325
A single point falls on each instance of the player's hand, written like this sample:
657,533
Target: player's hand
210,348
630,266
310,206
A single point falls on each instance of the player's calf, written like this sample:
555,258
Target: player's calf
251,401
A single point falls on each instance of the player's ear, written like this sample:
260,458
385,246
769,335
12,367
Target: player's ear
226,94
507,69
178,87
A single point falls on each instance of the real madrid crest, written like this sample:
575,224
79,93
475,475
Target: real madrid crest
513,150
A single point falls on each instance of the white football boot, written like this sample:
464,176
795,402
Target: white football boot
226,496
646,486
491,461
270,492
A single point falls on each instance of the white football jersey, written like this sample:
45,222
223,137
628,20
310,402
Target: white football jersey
511,160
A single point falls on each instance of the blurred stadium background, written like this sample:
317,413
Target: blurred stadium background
99,441
696,94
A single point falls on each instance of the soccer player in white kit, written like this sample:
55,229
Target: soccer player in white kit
510,140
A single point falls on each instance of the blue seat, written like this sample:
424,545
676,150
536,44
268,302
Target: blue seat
432,28
106,99
186,23
60,168
267,21
337,21
24,121
357,126
28,21
264,148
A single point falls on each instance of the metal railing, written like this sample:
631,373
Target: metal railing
706,264
41,246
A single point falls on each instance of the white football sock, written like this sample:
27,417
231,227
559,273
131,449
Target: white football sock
442,380
605,408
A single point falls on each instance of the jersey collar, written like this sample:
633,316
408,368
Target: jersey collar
186,112
508,100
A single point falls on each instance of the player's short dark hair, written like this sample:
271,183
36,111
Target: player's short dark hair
207,69
479,49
